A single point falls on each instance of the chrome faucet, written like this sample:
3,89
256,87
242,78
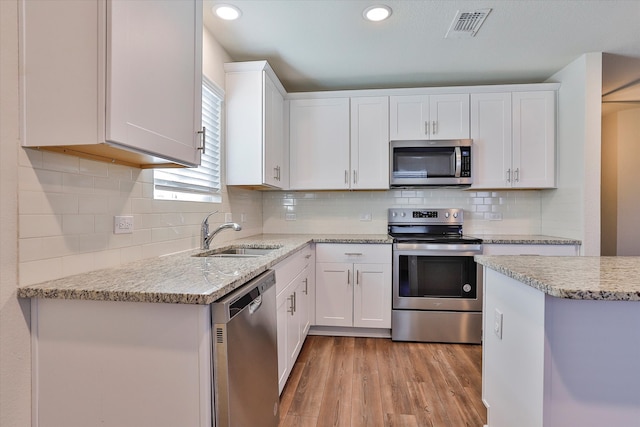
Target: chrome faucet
205,237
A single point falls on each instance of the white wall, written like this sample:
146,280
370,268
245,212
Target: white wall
340,211
573,209
57,218
609,200
15,355
620,177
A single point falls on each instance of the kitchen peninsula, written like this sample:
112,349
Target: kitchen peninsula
561,341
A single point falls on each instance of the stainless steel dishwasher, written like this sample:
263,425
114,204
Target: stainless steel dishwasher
245,355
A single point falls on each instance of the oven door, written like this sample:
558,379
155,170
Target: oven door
441,277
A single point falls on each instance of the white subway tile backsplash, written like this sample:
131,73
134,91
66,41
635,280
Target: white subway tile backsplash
77,184
339,212
60,162
31,226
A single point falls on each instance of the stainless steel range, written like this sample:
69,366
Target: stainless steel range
437,285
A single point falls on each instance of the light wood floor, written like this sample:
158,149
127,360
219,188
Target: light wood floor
354,382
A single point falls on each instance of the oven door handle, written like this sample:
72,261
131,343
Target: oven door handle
458,162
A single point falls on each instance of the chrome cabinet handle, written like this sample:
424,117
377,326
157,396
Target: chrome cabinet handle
306,286
348,277
291,309
295,303
508,175
203,132
355,177
275,173
357,277
434,129
353,253
517,175
346,176
426,128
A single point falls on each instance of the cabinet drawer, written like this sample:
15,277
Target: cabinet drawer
353,253
289,268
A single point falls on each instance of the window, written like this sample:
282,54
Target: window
201,184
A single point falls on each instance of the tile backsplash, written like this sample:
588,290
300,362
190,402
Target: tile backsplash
344,212
67,207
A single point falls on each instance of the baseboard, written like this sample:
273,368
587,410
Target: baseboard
337,331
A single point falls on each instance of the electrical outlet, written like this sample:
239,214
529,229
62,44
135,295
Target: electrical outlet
228,217
493,216
497,323
243,217
122,224
290,217
365,217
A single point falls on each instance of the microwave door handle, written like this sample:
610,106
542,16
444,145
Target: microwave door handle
458,162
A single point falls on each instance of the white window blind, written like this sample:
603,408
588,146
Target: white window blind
201,184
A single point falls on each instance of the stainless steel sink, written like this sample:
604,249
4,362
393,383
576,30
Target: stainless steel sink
238,252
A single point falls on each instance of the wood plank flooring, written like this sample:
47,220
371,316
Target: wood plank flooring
358,382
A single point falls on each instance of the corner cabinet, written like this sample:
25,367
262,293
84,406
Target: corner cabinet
419,117
254,100
353,285
117,81
295,290
339,143
514,139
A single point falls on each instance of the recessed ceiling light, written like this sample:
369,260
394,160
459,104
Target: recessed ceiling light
227,12
378,12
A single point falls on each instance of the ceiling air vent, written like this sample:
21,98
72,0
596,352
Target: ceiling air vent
466,24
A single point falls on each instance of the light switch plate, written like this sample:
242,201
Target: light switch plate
122,224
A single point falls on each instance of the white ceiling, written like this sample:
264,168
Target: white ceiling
327,45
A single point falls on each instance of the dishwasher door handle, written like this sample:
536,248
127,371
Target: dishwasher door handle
255,304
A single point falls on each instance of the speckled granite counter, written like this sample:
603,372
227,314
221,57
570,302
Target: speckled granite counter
183,278
525,239
584,278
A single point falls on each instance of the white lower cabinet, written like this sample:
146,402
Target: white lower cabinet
294,302
353,285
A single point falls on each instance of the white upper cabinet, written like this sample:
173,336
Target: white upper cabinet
491,134
319,144
339,143
255,125
419,117
119,81
513,139
534,139
370,143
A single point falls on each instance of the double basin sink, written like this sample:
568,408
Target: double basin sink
239,252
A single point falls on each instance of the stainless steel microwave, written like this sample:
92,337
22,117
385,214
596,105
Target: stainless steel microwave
430,163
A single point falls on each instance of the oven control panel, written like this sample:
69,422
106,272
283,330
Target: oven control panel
425,216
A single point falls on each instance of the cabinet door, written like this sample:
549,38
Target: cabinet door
534,144
283,306
408,117
294,327
319,144
370,143
372,296
303,304
334,294
491,134
154,77
449,116
273,133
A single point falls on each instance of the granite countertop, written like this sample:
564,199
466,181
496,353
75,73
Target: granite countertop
583,278
525,239
183,278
